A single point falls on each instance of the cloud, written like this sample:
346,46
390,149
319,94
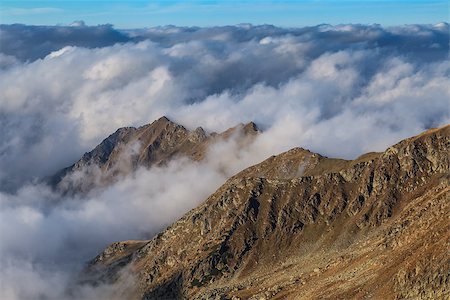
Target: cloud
337,90
46,240
55,108
78,24
28,43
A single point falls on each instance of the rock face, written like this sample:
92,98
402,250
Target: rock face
302,226
128,148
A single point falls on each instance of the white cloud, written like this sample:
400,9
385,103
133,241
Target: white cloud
340,91
67,102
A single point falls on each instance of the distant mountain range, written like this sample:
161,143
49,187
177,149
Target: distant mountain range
296,226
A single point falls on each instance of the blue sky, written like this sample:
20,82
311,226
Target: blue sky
139,13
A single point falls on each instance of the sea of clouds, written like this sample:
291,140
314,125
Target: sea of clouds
337,90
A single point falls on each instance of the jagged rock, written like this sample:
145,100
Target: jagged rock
128,148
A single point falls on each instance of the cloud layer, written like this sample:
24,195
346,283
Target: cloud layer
337,90
29,43
359,86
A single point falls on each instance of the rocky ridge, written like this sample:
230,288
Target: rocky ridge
153,144
303,226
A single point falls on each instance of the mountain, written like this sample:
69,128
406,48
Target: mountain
153,144
302,226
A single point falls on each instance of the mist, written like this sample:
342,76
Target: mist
340,91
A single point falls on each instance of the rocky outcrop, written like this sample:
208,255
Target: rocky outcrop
128,148
300,225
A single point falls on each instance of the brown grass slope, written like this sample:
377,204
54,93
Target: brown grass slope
302,226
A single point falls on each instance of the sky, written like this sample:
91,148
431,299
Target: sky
288,13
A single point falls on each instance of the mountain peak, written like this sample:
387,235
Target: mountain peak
152,144
163,119
250,128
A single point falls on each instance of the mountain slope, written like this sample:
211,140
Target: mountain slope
153,144
299,225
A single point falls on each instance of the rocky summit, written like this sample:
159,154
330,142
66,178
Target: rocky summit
153,144
295,226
